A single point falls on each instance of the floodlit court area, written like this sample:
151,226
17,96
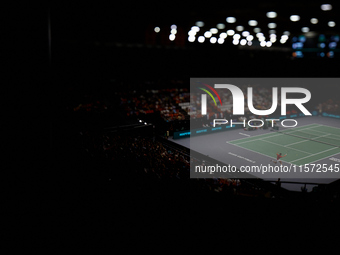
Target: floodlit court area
315,141
303,145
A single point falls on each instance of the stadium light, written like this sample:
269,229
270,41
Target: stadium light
257,30
199,23
231,19
268,44
305,29
223,35
239,28
263,43
220,40
271,15
245,33
272,25
201,39
331,24
249,43
191,38
173,31
235,42
192,33
230,32
326,7
213,40
195,28
214,30
207,34
157,29
243,42
220,26
250,38
314,21
236,37
172,37
252,23
294,18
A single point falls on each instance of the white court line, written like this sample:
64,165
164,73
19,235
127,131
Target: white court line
261,154
285,146
266,137
244,134
259,139
303,141
325,133
315,154
269,134
324,158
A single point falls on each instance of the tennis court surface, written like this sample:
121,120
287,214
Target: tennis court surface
303,145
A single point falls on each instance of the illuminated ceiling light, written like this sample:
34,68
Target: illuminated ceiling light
259,35
331,24
272,31
236,37
201,39
314,21
326,7
252,23
249,43
223,35
220,26
195,28
173,31
272,35
239,28
145,123
243,42
286,33
199,23
263,43
261,39
173,27
268,44
207,34
213,39
231,19
305,29
220,40
273,39
294,18
172,37
235,42
245,33
191,38
157,29
272,25
284,37
250,38
214,30
282,41
271,15
230,32
257,30
191,33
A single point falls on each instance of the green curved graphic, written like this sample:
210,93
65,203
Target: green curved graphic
209,95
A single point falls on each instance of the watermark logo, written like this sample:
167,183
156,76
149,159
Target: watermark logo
238,99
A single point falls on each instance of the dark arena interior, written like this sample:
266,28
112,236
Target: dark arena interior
120,80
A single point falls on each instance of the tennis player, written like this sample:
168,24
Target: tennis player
278,157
